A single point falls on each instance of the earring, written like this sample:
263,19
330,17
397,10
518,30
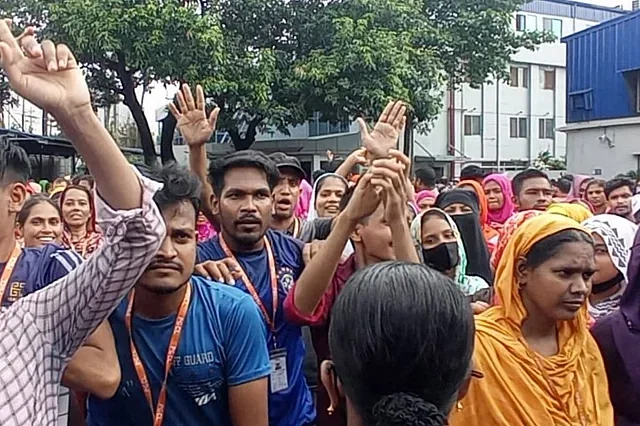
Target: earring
330,410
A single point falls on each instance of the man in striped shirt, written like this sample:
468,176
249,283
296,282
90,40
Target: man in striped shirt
40,332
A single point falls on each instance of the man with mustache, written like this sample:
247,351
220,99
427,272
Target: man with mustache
263,263
619,193
217,372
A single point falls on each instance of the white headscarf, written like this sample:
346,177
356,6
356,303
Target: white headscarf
313,212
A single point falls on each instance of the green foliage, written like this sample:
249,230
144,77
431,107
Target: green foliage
125,44
273,63
546,161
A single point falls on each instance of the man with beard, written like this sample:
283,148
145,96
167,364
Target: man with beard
264,263
619,192
217,371
285,199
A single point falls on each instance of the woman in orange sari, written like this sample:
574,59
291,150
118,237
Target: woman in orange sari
490,234
540,364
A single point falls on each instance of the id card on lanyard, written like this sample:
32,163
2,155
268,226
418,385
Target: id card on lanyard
278,357
158,413
8,270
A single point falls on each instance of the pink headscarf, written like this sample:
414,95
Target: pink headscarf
507,209
302,208
578,180
425,194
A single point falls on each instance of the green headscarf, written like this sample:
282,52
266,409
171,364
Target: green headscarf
468,284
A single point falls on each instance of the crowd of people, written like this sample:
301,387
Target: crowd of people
246,293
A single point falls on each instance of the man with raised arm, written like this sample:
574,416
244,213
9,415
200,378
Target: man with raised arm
40,332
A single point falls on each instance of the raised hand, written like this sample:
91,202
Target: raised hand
194,126
388,175
410,191
386,131
365,199
46,74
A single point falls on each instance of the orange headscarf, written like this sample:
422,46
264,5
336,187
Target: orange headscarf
490,234
521,387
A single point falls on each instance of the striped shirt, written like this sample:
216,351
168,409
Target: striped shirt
40,332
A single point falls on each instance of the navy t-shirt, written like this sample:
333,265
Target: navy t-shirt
35,269
294,405
221,345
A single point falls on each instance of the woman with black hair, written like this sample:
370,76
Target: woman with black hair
403,365
39,222
541,366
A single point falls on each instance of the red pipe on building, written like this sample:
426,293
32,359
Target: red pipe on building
452,131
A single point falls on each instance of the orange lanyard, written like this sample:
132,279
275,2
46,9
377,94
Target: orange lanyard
271,321
8,269
158,413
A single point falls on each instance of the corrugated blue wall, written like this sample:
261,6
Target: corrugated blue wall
601,62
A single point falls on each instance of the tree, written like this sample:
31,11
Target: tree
287,59
126,44
366,51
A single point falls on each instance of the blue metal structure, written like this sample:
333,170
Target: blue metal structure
603,70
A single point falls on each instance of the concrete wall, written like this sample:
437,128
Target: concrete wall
588,151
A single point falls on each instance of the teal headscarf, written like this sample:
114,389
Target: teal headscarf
468,284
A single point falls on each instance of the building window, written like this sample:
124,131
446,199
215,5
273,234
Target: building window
320,127
553,25
548,79
526,22
471,125
546,128
518,127
519,77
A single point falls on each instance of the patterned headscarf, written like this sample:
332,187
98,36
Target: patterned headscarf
509,228
618,234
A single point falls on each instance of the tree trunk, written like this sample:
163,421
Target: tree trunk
243,143
131,101
166,139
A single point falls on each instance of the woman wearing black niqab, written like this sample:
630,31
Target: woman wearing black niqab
463,206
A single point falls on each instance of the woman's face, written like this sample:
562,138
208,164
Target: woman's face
457,208
605,269
426,203
329,195
583,187
43,226
495,197
435,231
76,209
558,288
596,195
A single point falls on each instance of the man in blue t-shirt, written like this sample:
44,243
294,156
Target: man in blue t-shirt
267,263
240,200
217,374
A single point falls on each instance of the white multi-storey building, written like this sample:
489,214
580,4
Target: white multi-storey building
506,125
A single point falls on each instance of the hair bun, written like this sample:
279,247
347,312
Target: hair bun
405,409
